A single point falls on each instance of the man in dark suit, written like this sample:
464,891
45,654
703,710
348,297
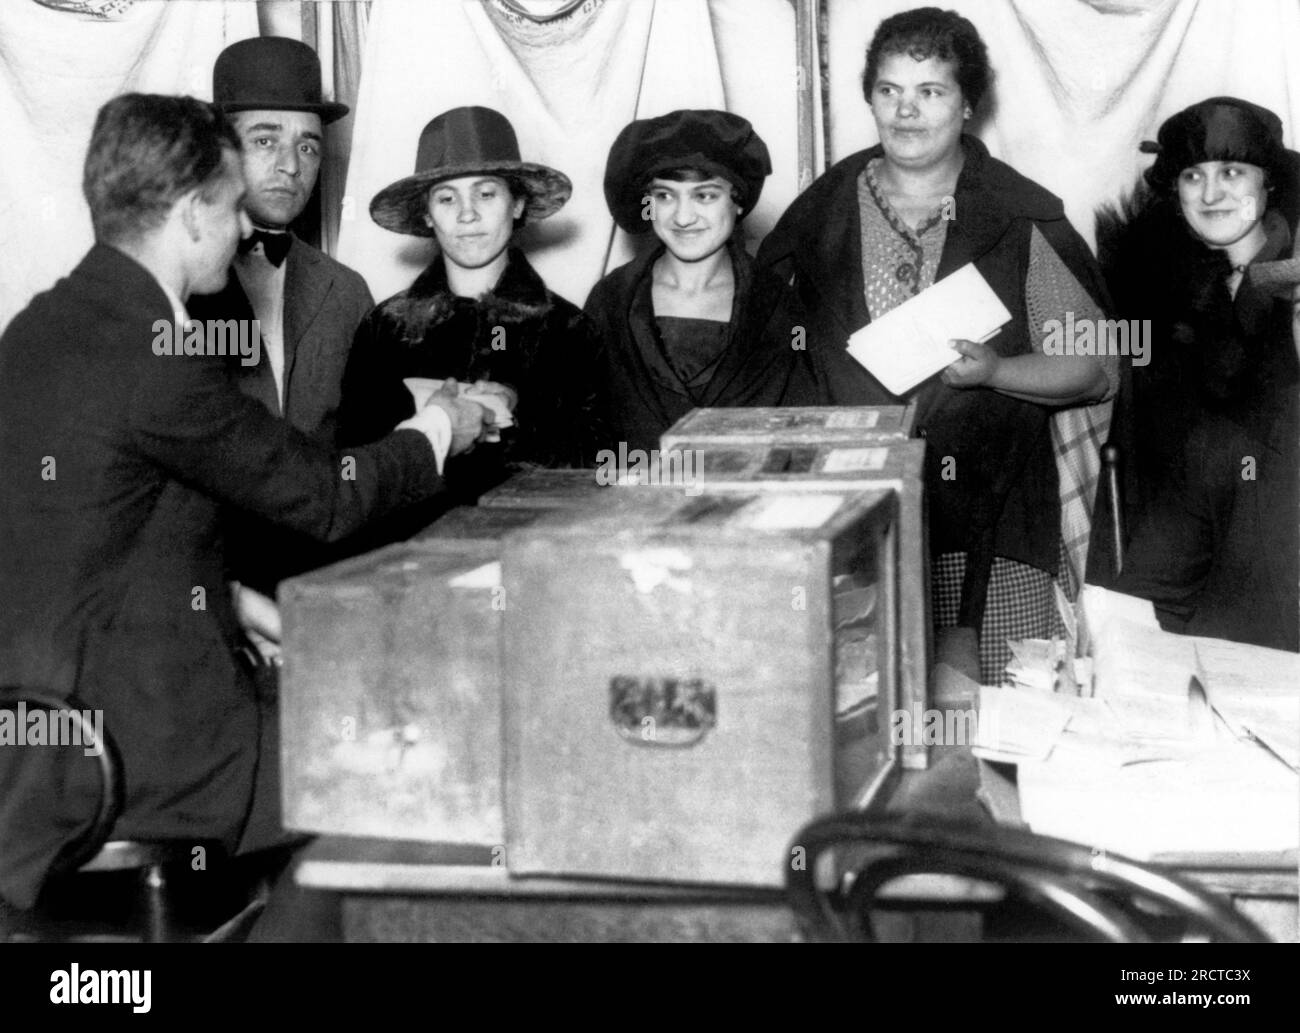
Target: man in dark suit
120,447
307,305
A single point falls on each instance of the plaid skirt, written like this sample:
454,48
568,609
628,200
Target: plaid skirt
1020,604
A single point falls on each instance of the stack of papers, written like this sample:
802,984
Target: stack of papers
1190,745
1036,664
1256,691
913,342
1234,799
1015,725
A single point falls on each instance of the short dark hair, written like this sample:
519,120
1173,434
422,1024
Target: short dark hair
146,152
517,190
928,32
694,174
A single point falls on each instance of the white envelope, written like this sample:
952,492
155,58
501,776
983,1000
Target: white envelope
909,344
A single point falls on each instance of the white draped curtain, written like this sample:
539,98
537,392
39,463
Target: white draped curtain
568,87
1079,83
57,68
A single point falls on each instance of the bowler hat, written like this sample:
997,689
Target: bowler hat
716,142
1217,129
465,142
272,73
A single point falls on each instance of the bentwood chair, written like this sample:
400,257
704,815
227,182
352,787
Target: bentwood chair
91,857
1089,895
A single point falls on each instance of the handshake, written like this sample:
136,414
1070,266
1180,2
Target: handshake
478,411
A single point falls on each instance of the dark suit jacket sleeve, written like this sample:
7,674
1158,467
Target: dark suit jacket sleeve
188,416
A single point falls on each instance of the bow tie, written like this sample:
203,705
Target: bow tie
274,245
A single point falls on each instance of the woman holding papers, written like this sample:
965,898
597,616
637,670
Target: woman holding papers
692,322
882,226
479,314
1218,202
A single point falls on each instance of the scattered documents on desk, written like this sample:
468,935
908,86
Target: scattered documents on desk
1256,691
1037,664
1098,606
1016,725
1233,799
1189,745
422,388
912,342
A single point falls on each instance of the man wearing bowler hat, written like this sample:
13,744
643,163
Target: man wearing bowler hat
307,304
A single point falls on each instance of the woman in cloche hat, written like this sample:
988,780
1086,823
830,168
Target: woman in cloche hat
1219,552
1217,203
691,322
478,314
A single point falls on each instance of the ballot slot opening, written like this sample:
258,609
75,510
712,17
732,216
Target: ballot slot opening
783,460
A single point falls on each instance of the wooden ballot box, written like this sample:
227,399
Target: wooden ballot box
581,490
547,489
898,465
477,526
390,695
791,425
690,680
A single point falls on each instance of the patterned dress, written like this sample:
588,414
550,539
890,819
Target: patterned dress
899,262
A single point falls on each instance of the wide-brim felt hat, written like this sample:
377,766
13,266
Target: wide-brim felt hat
1217,129
272,73
467,141
716,142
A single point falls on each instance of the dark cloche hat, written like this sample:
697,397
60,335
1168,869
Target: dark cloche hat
274,73
716,142
1218,129
466,142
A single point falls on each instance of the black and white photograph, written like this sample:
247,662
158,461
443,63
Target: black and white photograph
649,471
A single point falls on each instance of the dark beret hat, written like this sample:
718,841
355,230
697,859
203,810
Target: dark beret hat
1218,129
716,142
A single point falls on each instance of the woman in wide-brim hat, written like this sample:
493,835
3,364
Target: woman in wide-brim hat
479,313
1217,202
691,322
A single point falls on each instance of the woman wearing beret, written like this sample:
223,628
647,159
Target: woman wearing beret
479,314
1218,201
884,224
691,322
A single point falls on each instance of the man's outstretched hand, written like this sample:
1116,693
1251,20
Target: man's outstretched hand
470,422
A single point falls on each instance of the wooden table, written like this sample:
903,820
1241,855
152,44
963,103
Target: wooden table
394,891
1262,886
401,891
